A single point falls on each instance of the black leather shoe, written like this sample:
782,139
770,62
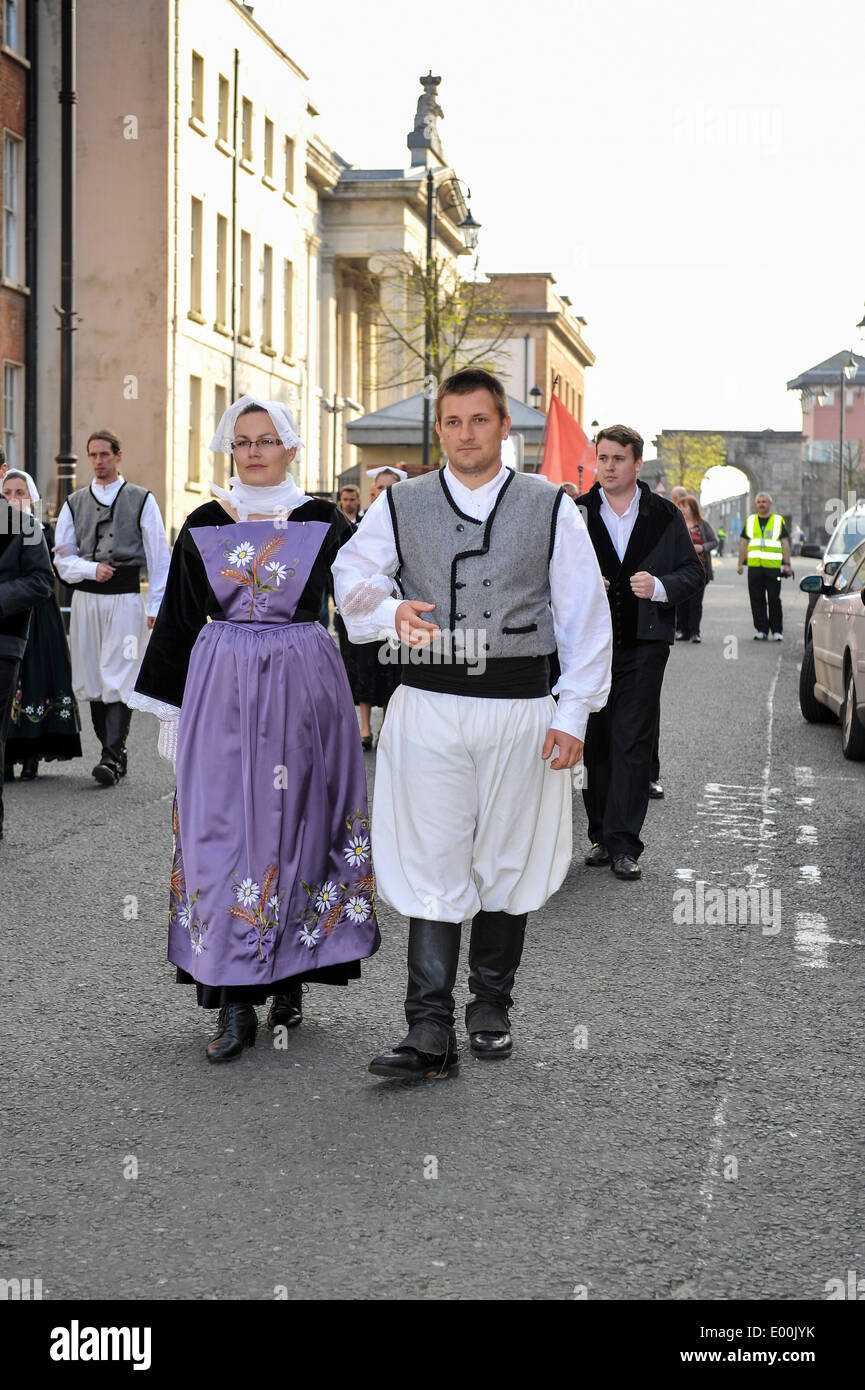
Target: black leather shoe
106,771
30,769
286,1010
596,856
491,1044
656,791
236,1030
624,866
407,1064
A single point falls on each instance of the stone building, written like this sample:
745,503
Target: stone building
771,461
16,165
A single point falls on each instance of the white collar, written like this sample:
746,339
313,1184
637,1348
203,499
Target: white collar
632,505
485,488
107,487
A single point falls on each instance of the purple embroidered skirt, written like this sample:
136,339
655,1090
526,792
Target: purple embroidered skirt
272,873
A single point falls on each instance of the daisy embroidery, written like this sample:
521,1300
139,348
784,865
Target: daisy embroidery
357,850
242,554
183,916
326,897
309,938
197,945
357,909
247,892
273,903
277,571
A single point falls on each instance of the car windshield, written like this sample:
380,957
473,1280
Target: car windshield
847,537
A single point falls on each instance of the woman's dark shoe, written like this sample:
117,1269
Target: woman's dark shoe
30,769
236,1029
286,1010
408,1064
366,742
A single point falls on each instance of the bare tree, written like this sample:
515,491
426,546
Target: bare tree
467,329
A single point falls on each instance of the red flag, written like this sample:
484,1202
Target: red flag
569,457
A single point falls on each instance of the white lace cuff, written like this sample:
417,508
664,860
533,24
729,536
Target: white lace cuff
366,596
167,745
149,706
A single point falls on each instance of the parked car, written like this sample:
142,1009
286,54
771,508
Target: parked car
844,539
832,674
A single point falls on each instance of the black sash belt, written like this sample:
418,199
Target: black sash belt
501,678
126,579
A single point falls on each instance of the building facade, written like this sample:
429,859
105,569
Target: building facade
16,278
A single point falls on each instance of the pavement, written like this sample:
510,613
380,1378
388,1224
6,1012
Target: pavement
681,1117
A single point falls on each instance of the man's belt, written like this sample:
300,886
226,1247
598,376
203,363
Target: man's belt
126,579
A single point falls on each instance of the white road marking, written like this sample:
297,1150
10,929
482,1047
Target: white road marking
804,776
806,835
686,874
809,873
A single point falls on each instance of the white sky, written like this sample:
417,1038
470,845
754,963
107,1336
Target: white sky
690,172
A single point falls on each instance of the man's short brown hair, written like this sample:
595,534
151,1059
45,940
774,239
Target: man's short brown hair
622,434
349,487
110,438
473,379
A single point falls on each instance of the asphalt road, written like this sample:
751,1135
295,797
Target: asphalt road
681,1117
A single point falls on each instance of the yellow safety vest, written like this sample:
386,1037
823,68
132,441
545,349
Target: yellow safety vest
764,546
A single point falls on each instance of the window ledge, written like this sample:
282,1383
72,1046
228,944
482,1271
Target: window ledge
289,361
193,487
195,316
245,339
224,146
223,329
268,182
198,125
14,55
289,198
247,165
268,350
7,284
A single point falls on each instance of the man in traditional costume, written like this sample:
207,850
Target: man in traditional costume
470,818
105,534
272,882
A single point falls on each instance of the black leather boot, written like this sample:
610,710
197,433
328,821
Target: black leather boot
235,1030
495,951
286,1010
30,769
105,771
429,1048
117,721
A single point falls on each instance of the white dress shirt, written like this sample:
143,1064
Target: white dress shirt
581,612
620,528
72,568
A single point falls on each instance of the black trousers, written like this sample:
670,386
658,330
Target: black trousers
9,668
618,748
764,591
690,613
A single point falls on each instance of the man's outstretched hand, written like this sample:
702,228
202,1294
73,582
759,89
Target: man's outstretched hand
570,749
411,628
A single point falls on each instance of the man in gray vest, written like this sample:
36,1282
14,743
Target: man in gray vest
494,570
105,534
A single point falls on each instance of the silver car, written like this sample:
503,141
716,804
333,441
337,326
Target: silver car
832,675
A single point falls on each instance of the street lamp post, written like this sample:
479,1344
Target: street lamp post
847,372
470,230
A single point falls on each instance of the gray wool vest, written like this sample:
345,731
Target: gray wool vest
110,535
488,579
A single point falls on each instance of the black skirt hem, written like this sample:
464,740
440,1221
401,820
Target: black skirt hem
217,996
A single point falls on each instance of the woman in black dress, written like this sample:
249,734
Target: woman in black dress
45,723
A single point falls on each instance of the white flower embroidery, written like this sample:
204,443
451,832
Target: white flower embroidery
247,893
309,938
278,571
358,850
65,714
183,916
273,903
197,945
327,896
242,554
357,909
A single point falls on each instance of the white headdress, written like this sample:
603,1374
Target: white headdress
387,468
31,486
245,498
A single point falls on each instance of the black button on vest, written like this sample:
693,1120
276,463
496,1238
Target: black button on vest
460,526
460,617
487,583
487,613
459,584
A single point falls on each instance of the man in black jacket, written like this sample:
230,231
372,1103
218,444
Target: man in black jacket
26,578
649,565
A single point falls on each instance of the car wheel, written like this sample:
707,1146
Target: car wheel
852,732
812,604
810,706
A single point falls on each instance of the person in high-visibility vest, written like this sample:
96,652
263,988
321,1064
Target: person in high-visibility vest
765,546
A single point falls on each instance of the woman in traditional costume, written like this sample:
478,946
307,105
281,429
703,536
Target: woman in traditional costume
45,723
271,884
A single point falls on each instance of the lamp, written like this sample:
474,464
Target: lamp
470,230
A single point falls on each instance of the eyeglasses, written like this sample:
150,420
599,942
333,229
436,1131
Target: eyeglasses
239,445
